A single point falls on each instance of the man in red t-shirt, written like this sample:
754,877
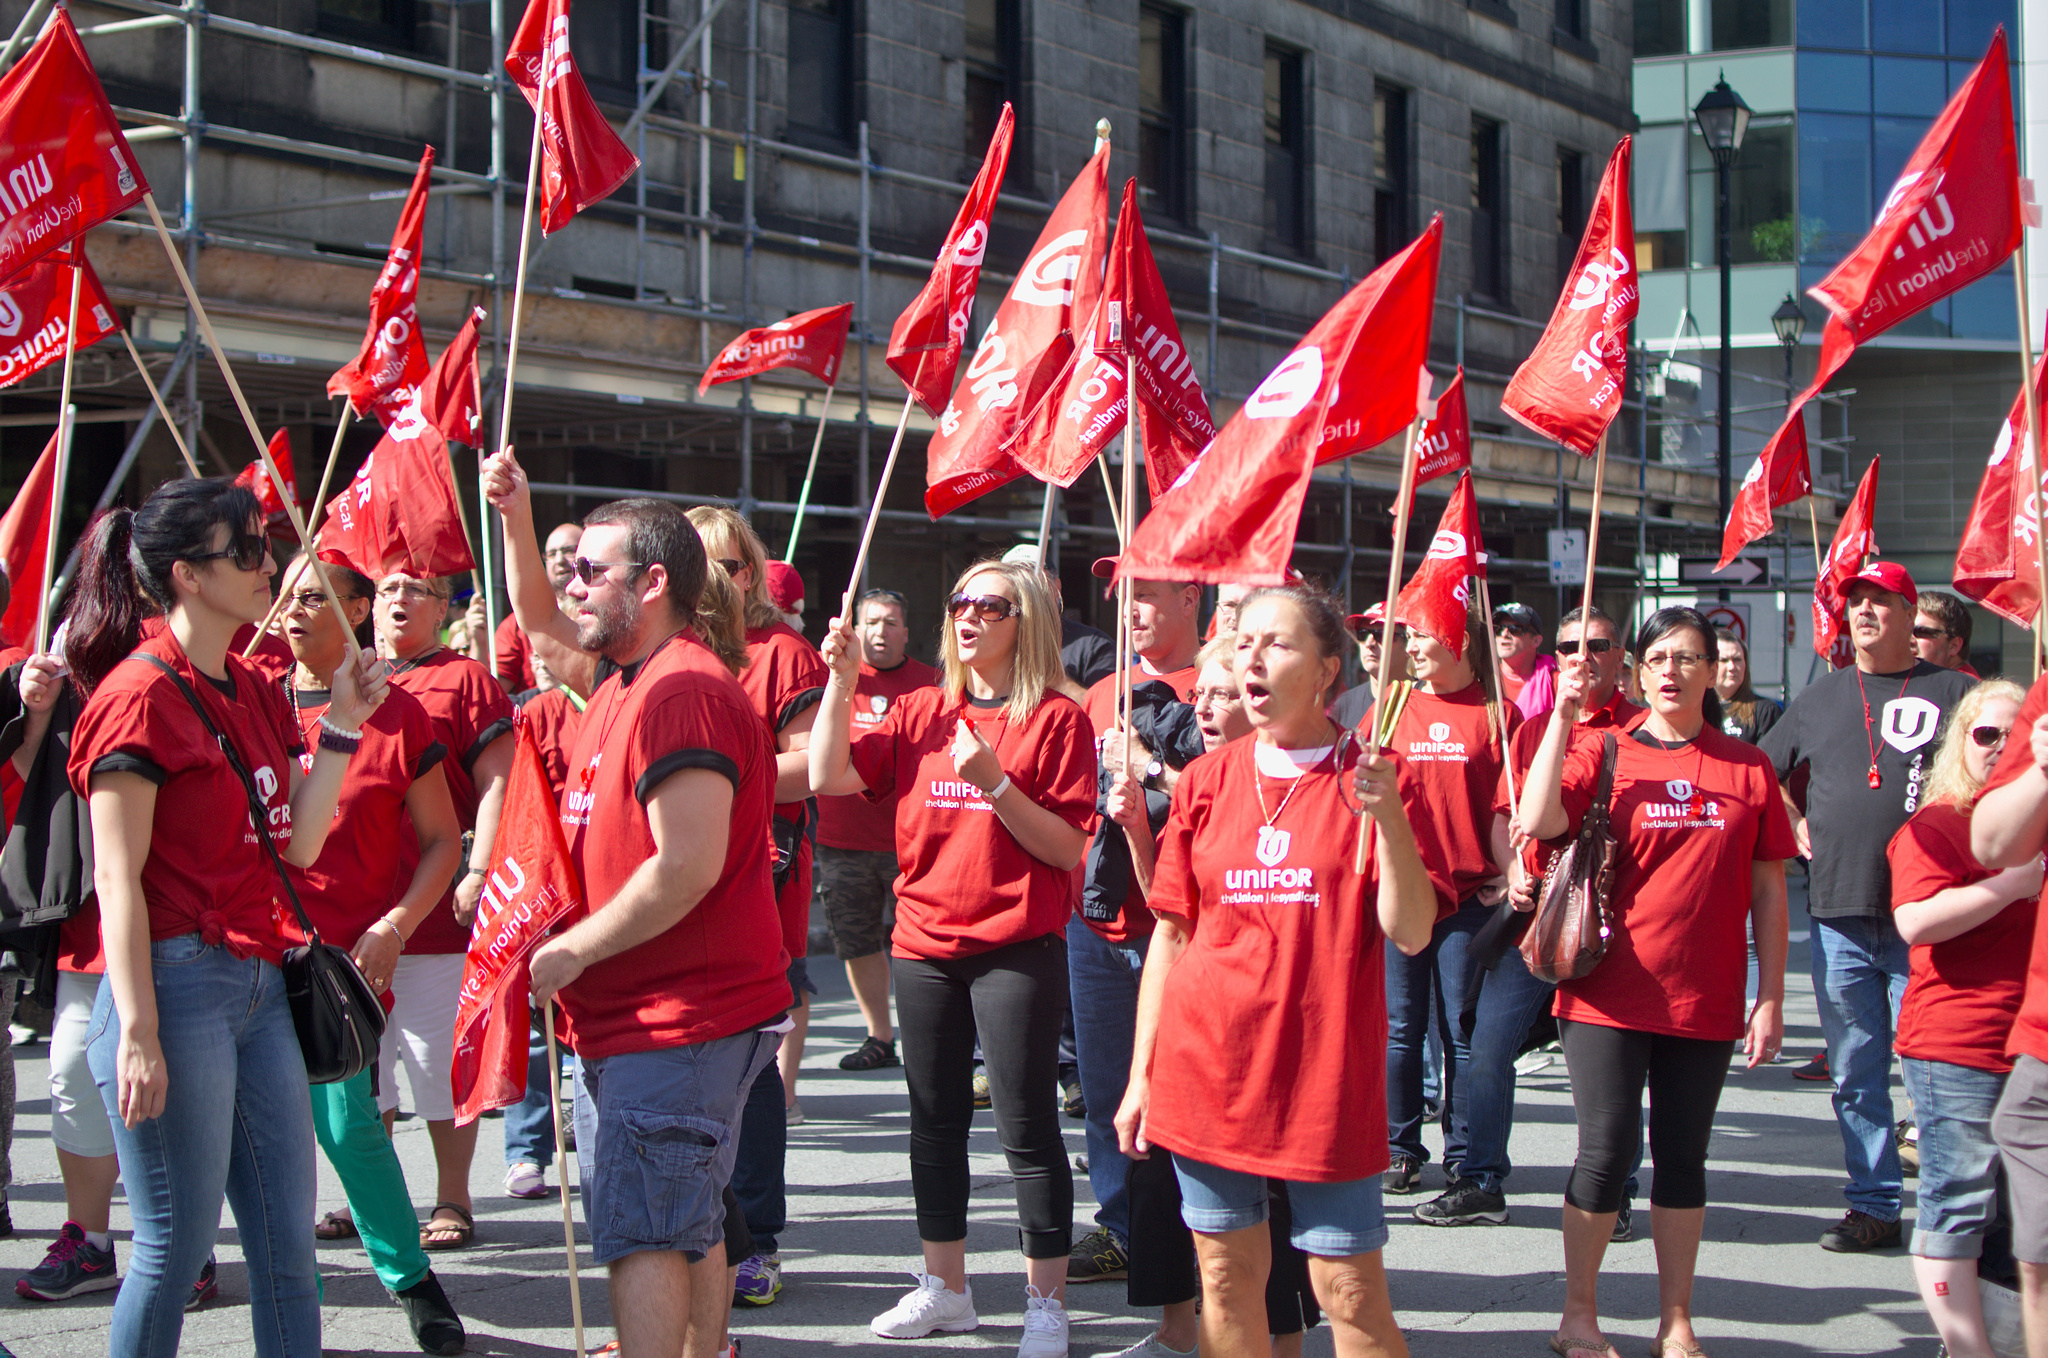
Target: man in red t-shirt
856,863
675,979
1106,957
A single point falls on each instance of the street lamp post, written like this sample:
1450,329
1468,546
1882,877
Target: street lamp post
1790,324
1723,119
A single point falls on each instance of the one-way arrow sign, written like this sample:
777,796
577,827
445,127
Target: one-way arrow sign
1743,570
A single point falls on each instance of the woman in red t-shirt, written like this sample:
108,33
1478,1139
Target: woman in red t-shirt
1972,931
996,774
1703,838
192,1043
1261,1042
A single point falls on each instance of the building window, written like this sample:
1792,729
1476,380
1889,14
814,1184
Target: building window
994,71
1286,148
1569,16
1489,211
1390,169
1162,112
1660,27
1760,223
1658,197
821,69
390,24
1571,209
607,48
1759,23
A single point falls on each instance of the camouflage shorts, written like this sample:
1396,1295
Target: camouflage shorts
858,888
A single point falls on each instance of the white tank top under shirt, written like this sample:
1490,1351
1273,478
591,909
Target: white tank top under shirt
1275,762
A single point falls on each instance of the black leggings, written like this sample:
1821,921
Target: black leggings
1015,997
1162,1265
1609,1067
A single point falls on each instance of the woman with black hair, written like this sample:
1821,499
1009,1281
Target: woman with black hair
191,1041
1703,838
1745,713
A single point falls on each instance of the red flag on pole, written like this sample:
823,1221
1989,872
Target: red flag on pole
393,358
1780,475
1438,598
1445,443
1854,540
1569,388
582,159
256,478
400,512
24,539
1351,384
1996,563
531,888
67,166
1026,344
35,305
925,342
812,341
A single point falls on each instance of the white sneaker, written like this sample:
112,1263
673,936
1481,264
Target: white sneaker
1045,1327
1149,1347
933,1306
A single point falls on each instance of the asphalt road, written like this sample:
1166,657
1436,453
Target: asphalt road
1765,1287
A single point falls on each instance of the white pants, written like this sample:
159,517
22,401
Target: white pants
420,1035
78,1117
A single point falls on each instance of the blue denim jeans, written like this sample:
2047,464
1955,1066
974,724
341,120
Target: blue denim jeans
1335,1220
530,1123
1859,977
1956,1199
1509,1001
1423,992
1102,980
237,1123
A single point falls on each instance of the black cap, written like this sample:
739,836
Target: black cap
1521,615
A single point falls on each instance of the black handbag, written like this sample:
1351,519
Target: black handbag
339,1019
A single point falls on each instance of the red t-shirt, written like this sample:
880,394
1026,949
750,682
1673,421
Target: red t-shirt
966,885
78,941
357,878
206,872
515,656
1272,1046
1451,768
720,969
469,710
862,821
784,676
1964,991
553,714
1135,921
1616,714
1690,821
273,657
2030,1029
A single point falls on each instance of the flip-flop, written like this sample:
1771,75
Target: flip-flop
1664,1348
334,1226
1565,1348
463,1233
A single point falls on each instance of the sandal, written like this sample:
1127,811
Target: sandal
1664,1348
1565,1348
463,1233
335,1226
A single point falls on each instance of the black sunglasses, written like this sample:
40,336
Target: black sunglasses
589,572
1930,633
1511,629
246,550
1372,631
984,607
1593,645
730,566
1987,736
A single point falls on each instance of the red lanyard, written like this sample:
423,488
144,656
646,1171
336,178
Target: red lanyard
1876,779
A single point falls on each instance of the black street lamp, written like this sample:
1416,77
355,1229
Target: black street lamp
1790,323
1723,119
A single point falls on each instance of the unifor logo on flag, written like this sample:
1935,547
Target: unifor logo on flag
1438,598
393,357
36,307
812,341
1444,444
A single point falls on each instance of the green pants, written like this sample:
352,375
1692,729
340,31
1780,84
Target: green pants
352,1134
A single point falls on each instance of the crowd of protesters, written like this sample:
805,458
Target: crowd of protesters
1211,884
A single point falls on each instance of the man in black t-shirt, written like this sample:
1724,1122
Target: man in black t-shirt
1867,736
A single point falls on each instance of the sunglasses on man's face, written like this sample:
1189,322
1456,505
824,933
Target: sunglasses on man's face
1594,645
1512,629
982,607
1988,736
1377,633
1929,633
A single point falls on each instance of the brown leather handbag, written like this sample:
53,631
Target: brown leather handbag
1574,919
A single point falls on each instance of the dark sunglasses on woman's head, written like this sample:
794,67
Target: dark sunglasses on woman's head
1987,736
246,550
984,607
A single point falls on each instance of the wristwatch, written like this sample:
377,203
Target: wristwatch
1154,771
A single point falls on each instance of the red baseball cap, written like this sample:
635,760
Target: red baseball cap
1376,615
1886,575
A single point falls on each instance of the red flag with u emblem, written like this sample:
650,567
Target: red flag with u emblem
1438,597
582,159
393,358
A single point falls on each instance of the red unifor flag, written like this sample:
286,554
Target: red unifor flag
1351,384
24,540
1569,388
1444,444
400,513
1996,564
926,341
1854,540
531,888
1780,475
257,477
811,340
65,167
35,306
1026,344
393,358
1084,409
1438,598
581,159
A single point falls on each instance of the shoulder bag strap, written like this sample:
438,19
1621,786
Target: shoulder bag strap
259,814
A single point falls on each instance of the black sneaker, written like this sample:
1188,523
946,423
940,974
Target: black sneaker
1071,1102
1402,1176
1464,1203
1858,1232
1097,1258
435,1326
204,1288
73,1266
873,1054
1815,1070
1624,1225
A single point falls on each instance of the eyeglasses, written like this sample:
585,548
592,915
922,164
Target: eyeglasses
560,553
1684,660
730,566
1593,645
983,607
1930,633
589,572
313,600
411,590
1988,736
246,550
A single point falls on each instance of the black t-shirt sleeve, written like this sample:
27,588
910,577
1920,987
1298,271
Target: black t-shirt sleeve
1088,659
1765,717
666,767
1779,739
484,740
430,759
122,762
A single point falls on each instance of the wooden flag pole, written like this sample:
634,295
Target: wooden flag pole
568,1221
161,409
478,579
1052,488
1814,522
803,498
1115,518
1501,687
533,158
1403,508
867,533
67,419
1592,541
2032,439
220,357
